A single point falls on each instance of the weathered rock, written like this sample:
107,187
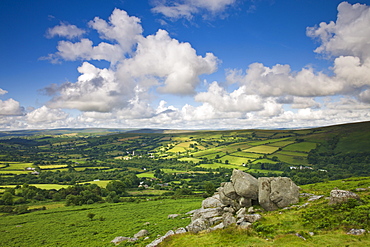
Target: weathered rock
251,210
252,217
284,191
141,233
228,219
180,230
314,198
132,239
356,231
223,198
229,209
160,240
264,191
245,202
277,192
229,191
340,196
241,213
215,220
219,226
361,189
192,211
245,185
172,216
244,225
200,224
119,239
212,202
207,213
300,236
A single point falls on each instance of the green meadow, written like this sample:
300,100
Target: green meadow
70,226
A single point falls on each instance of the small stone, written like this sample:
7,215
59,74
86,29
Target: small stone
180,230
141,233
314,198
245,225
228,219
300,236
356,231
252,217
219,226
251,210
119,239
361,189
172,216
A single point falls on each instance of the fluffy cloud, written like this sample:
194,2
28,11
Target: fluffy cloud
45,115
95,90
84,50
348,36
145,67
159,56
10,107
155,62
279,80
121,28
65,30
2,91
187,8
298,102
236,101
346,40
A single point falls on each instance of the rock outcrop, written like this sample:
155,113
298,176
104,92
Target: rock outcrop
275,193
232,202
340,196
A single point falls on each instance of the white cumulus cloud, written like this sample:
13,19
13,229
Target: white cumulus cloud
156,62
45,115
65,30
188,8
10,107
2,91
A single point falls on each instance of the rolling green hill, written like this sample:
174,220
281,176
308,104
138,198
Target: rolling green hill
323,153
95,167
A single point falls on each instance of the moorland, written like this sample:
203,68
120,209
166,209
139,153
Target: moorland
51,180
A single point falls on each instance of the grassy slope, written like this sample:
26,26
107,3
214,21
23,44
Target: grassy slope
70,226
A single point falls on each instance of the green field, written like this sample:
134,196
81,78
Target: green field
52,166
301,147
42,186
264,161
294,160
234,160
291,153
262,149
281,143
101,183
145,175
217,165
70,226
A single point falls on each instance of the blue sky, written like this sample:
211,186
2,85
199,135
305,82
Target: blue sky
184,63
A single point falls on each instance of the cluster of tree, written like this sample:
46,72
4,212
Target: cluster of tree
73,195
71,177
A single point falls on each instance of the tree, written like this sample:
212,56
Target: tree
116,186
209,187
7,198
90,216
